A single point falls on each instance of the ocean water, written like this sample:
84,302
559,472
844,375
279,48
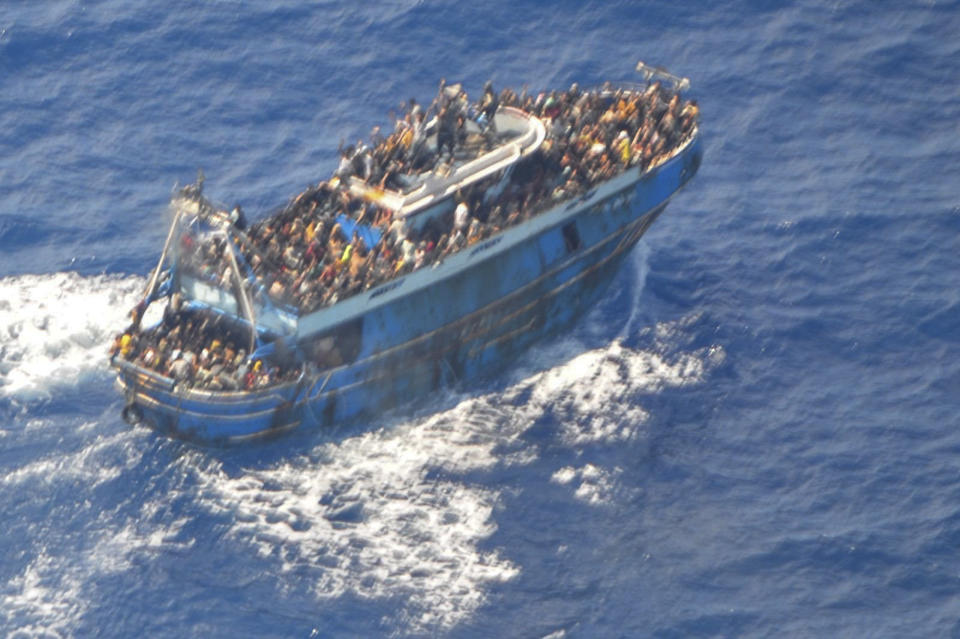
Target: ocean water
755,433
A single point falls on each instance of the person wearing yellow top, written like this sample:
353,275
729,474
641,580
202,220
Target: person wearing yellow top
126,344
622,145
406,138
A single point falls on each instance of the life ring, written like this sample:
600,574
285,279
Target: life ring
131,414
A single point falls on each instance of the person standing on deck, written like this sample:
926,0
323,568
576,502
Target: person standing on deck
446,130
488,108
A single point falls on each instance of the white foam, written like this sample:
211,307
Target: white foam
384,514
52,594
639,261
93,465
387,514
564,476
37,605
57,327
50,597
593,394
596,485
372,522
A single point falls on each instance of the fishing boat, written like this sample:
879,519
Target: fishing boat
432,257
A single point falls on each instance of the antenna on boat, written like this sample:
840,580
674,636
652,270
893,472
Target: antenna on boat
649,72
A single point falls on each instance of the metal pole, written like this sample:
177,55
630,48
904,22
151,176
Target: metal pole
242,292
152,285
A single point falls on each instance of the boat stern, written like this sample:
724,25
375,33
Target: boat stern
213,418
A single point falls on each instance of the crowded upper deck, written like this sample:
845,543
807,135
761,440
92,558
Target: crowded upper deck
334,241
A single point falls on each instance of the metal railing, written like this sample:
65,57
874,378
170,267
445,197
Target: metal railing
649,72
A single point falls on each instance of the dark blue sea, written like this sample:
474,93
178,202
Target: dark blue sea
756,433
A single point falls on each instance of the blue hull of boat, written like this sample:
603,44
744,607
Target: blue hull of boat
453,322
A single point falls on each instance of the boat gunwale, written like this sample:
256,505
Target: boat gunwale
132,369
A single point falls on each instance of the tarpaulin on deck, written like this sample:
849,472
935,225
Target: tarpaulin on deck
369,234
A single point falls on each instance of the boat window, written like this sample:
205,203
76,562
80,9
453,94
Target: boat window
571,237
338,346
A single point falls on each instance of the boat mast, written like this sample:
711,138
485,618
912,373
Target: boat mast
152,285
241,291
155,276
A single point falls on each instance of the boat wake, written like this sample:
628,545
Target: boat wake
55,328
58,586
404,511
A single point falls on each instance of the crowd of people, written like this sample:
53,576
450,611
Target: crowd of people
198,349
304,259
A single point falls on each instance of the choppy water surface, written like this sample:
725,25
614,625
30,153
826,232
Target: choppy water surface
755,432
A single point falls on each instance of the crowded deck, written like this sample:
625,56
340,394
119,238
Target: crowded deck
358,229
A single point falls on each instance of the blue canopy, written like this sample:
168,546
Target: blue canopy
369,234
